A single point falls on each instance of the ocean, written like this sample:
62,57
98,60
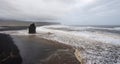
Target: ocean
92,44
104,28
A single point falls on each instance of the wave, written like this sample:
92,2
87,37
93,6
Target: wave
94,45
83,32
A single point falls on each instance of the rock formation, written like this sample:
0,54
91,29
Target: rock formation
32,28
9,53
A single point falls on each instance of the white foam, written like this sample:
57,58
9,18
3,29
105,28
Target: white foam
117,28
98,47
94,44
97,36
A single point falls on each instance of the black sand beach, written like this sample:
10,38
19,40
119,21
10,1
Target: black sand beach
36,50
33,50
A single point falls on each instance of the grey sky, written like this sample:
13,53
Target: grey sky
64,11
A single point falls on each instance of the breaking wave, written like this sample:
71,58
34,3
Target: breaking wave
93,45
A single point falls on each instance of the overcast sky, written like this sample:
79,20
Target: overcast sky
71,12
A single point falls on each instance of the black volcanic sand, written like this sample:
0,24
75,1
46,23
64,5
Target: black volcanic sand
9,53
36,50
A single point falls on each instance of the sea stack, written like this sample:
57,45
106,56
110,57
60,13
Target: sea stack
32,28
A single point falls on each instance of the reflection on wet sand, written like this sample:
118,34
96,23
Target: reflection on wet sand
36,50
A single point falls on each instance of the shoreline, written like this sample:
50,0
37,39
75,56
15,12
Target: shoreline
56,44
65,52
75,51
91,47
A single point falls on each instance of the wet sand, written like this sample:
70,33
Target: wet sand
36,50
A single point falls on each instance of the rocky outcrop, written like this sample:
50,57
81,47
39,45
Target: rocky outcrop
32,28
9,53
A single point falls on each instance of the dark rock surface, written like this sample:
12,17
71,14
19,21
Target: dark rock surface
32,28
9,53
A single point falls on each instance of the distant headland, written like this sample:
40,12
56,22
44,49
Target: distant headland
24,23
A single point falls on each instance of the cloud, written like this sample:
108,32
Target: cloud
65,11
40,8
36,8
97,12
